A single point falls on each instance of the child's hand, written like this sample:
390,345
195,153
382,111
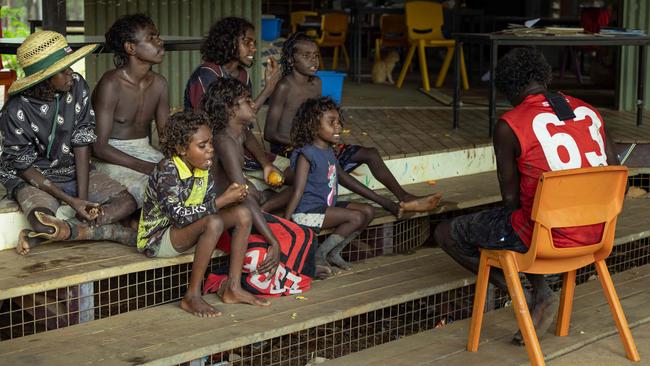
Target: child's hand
271,261
235,193
272,176
86,210
272,73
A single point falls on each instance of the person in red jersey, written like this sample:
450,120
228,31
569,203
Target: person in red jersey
545,131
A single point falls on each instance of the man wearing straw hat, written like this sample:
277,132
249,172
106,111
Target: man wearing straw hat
47,125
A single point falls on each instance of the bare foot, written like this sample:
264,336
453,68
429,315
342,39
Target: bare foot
195,305
26,242
421,204
543,312
237,295
323,272
61,228
336,260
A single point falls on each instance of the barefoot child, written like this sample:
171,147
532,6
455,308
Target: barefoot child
48,124
299,65
126,100
316,127
228,103
228,50
182,212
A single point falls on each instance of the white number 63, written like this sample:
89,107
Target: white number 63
551,144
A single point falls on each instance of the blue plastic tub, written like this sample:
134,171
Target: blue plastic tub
332,82
271,28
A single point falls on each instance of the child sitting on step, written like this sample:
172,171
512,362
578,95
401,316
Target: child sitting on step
316,127
299,65
182,213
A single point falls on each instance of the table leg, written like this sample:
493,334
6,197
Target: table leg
457,83
640,87
493,91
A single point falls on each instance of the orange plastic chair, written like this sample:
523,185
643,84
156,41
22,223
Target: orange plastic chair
298,17
564,198
424,22
334,30
7,77
393,33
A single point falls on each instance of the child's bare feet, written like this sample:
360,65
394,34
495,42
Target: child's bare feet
195,305
26,242
421,204
334,258
61,228
323,272
235,294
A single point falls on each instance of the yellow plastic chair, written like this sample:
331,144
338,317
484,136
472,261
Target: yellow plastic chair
298,17
334,30
393,33
424,24
564,198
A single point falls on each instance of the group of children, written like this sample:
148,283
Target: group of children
193,193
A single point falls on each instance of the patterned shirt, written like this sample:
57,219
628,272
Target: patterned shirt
42,134
174,196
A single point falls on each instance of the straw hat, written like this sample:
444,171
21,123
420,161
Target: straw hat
43,54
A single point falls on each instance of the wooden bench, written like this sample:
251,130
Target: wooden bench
167,335
591,321
57,265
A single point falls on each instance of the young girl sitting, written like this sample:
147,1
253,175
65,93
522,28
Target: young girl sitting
181,211
280,255
316,127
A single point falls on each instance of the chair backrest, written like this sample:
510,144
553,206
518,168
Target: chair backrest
298,17
577,197
424,20
334,28
393,27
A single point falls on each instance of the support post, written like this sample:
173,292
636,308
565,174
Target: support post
54,15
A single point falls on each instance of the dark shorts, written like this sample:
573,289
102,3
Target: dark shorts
282,150
489,229
344,154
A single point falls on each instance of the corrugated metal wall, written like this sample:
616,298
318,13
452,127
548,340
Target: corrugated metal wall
173,17
636,14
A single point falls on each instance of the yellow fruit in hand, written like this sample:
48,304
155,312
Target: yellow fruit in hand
275,178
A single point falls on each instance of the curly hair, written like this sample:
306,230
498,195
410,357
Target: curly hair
179,130
220,46
289,50
220,99
43,90
306,123
124,30
518,69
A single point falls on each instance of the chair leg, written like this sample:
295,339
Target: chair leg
346,57
423,66
480,294
335,62
566,304
407,62
524,320
617,311
445,67
377,49
463,70
321,64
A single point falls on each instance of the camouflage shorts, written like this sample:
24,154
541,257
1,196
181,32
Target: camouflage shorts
489,229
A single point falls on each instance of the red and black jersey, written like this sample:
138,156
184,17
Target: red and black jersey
548,144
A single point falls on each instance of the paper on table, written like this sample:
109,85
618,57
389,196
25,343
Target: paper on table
530,23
